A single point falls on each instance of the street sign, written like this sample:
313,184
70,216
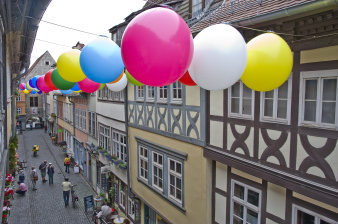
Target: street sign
88,202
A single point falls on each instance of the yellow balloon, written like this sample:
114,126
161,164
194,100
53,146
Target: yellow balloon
68,66
269,64
25,91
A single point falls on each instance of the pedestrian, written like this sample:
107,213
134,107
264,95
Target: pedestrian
34,177
21,176
50,172
21,189
45,128
43,170
31,125
66,186
67,163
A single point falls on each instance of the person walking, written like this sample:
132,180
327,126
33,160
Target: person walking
43,170
67,163
21,176
34,177
50,172
66,186
21,189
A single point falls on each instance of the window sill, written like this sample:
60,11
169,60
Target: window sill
274,120
327,127
182,209
246,117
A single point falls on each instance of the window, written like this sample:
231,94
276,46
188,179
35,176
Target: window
162,93
104,137
157,171
175,180
318,98
139,92
47,62
77,118
143,156
18,98
304,216
34,101
107,94
196,7
120,146
150,93
276,103
84,120
165,168
122,196
245,204
131,208
176,92
240,100
18,111
114,37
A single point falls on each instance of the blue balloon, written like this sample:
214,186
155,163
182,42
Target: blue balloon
40,92
33,92
66,91
101,61
33,81
76,88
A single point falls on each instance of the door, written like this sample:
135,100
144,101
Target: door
149,215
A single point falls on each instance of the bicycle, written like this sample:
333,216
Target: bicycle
95,219
75,198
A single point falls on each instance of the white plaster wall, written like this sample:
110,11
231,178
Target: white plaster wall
301,153
315,202
319,54
221,176
276,200
216,103
193,95
246,175
112,110
111,123
216,133
130,88
269,221
220,208
332,159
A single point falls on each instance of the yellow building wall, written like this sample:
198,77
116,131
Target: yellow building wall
319,54
197,181
66,126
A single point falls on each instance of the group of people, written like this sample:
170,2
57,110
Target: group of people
22,187
44,170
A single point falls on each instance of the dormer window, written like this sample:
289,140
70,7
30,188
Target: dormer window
47,63
196,7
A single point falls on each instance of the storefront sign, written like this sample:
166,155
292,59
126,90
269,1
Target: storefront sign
88,202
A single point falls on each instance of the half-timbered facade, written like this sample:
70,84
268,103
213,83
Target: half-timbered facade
166,130
275,154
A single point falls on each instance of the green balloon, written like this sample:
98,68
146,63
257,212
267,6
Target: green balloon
102,85
59,82
132,80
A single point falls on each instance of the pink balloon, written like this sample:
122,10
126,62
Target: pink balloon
88,86
42,85
22,86
157,47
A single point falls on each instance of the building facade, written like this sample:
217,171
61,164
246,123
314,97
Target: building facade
274,154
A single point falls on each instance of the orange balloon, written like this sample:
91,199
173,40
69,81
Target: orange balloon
117,78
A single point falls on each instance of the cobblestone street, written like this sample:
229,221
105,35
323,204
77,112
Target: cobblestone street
46,205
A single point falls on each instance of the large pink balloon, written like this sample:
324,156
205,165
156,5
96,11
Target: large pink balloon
88,86
22,86
157,47
42,85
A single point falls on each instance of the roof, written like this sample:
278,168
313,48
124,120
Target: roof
239,10
35,64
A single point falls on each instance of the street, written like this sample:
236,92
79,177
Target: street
45,205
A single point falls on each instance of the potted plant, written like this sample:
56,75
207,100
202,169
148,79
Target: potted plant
122,165
106,153
114,158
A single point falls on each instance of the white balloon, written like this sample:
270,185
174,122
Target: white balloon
119,85
220,57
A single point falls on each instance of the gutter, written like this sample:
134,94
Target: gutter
286,12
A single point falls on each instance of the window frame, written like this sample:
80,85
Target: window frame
317,216
159,167
244,202
150,98
105,142
320,75
162,99
240,114
18,110
274,117
18,98
119,153
145,159
176,175
176,100
139,90
122,194
131,207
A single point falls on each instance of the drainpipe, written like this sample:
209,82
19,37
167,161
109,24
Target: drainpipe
286,12
127,136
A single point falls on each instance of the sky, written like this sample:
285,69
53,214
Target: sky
94,16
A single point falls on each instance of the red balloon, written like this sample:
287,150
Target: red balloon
88,86
48,80
187,80
42,85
